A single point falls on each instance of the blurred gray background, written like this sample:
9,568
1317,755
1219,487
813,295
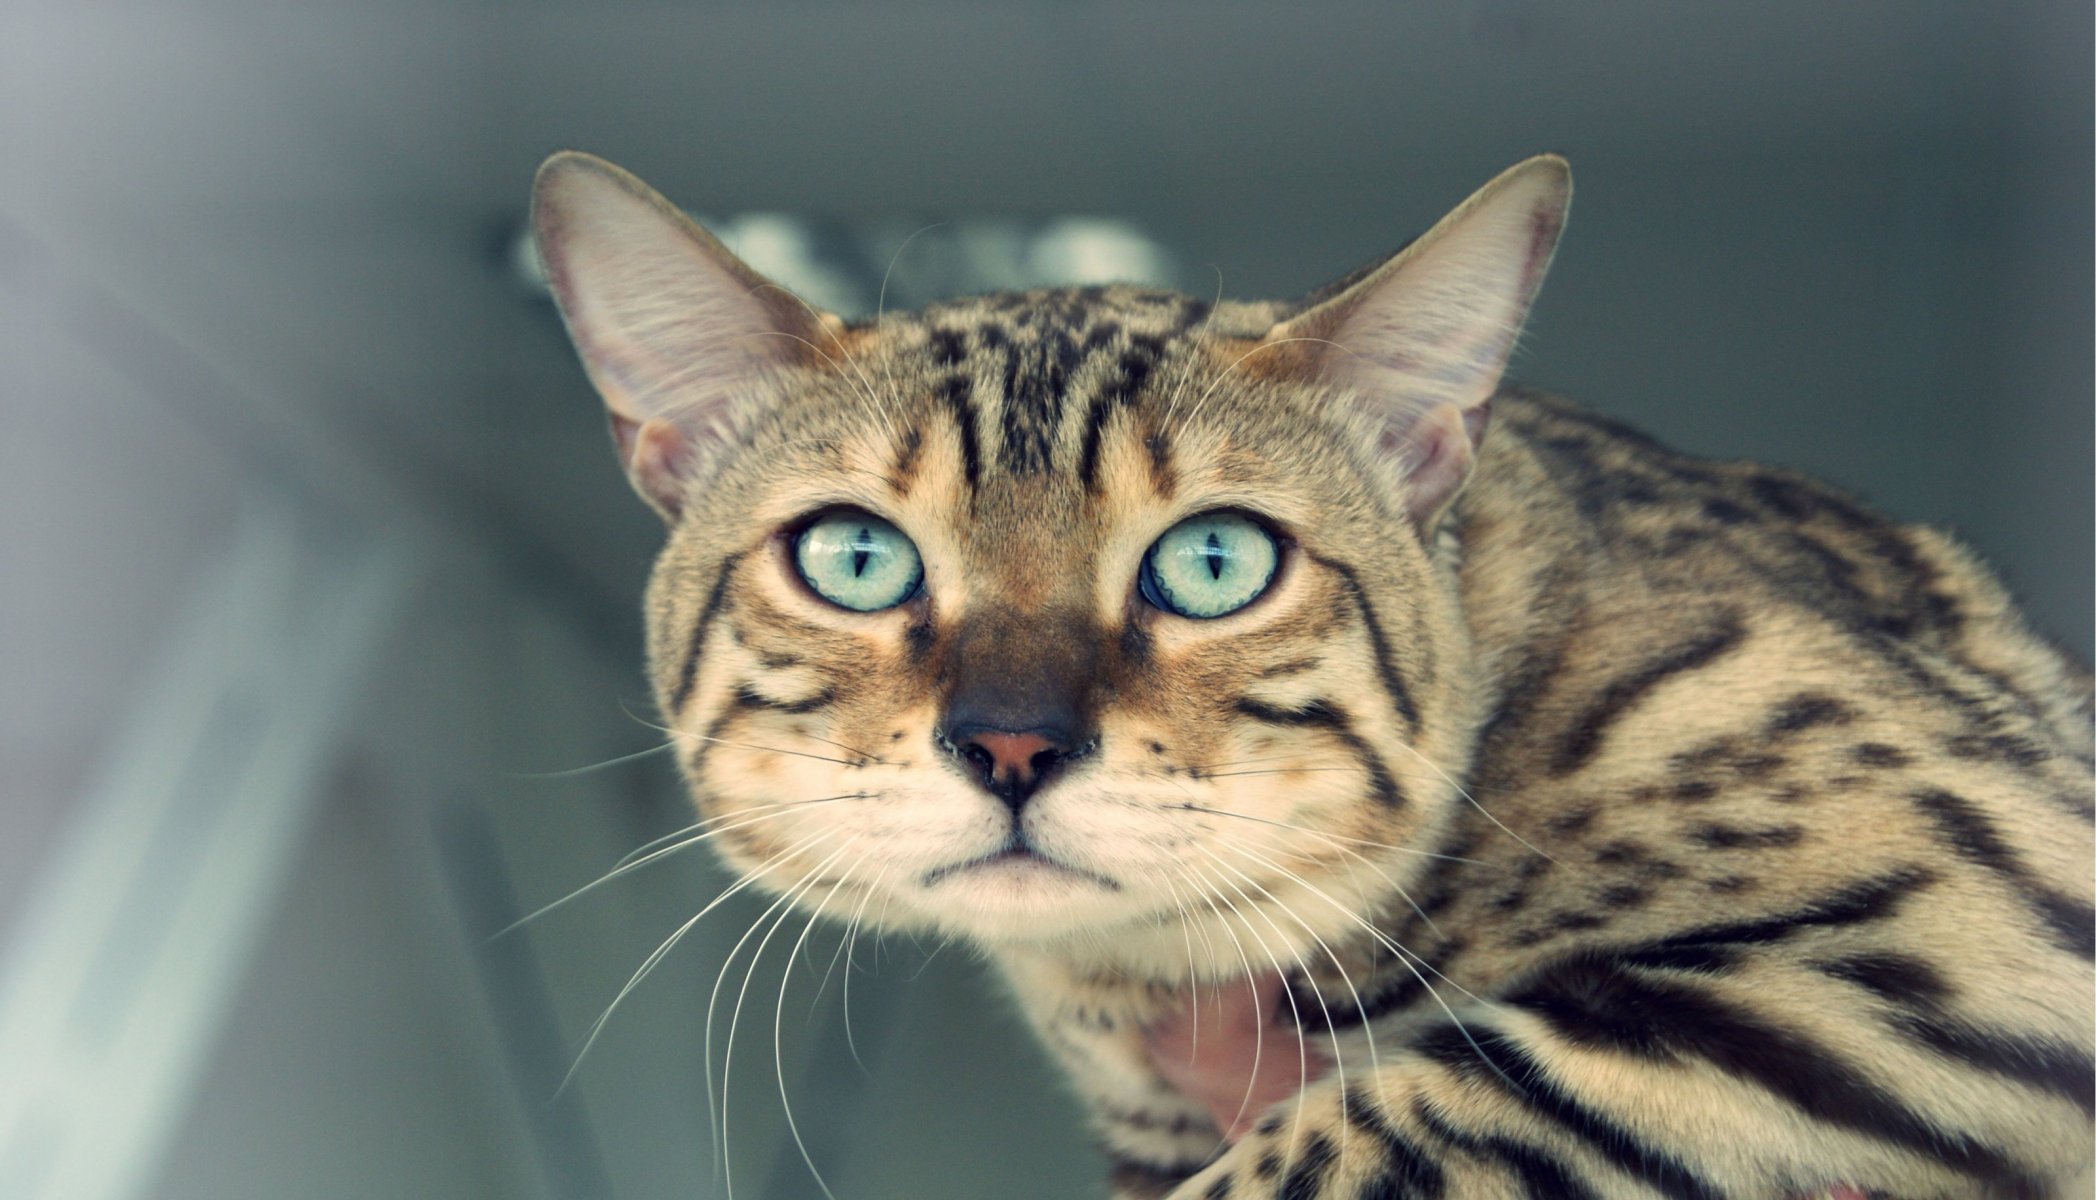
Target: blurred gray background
318,567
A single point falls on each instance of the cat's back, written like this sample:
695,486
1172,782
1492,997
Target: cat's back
1625,546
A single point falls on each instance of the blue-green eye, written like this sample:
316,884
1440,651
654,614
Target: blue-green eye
1209,566
858,561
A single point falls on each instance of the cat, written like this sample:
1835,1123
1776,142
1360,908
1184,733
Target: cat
1611,822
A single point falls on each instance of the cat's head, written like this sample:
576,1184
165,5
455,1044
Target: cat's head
1068,617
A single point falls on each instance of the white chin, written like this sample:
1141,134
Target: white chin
1010,898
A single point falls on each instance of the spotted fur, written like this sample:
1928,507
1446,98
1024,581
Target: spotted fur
1626,823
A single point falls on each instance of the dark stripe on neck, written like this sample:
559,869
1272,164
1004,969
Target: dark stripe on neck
2043,1063
1403,984
1859,903
1584,739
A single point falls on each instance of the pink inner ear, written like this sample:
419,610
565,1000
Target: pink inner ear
1435,454
657,458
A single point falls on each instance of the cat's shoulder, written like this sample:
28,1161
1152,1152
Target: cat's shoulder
1667,527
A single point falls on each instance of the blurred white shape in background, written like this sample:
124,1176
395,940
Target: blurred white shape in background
826,263
123,966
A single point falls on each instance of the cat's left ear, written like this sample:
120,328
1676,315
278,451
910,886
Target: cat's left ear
1420,342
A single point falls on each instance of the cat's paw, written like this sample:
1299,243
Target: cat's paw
1315,1148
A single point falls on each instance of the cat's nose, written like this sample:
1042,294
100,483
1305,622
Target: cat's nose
1011,764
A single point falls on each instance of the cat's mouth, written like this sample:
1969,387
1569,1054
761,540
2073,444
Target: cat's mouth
1016,857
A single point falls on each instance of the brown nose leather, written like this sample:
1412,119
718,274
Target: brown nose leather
1010,764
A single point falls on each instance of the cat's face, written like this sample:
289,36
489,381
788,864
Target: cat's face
1073,618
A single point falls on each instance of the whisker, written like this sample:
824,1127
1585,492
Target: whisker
864,754
670,943
880,304
880,309
850,1042
1412,962
1331,1029
1263,346
844,952
630,864
761,454
694,827
1244,762
1221,812
1186,372
1193,973
865,384
1302,1048
1220,770
1367,1026
1436,769
779,905
926,965
778,1017
1281,771
1259,1030
1338,843
571,772
687,735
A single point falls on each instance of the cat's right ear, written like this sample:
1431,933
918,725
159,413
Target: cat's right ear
683,340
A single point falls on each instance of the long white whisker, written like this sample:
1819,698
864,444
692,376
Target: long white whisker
695,827
670,943
851,938
1186,371
687,735
571,772
1222,769
780,906
1412,962
1282,771
837,342
1261,347
1189,806
1302,1049
1436,769
880,409
880,303
716,1125
842,746
822,986
1259,1030
1193,972
630,864
1367,1026
778,1017
1331,1027
1338,843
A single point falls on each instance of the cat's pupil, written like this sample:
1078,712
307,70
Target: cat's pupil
1213,552
862,551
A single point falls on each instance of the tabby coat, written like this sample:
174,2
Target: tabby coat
1622,823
